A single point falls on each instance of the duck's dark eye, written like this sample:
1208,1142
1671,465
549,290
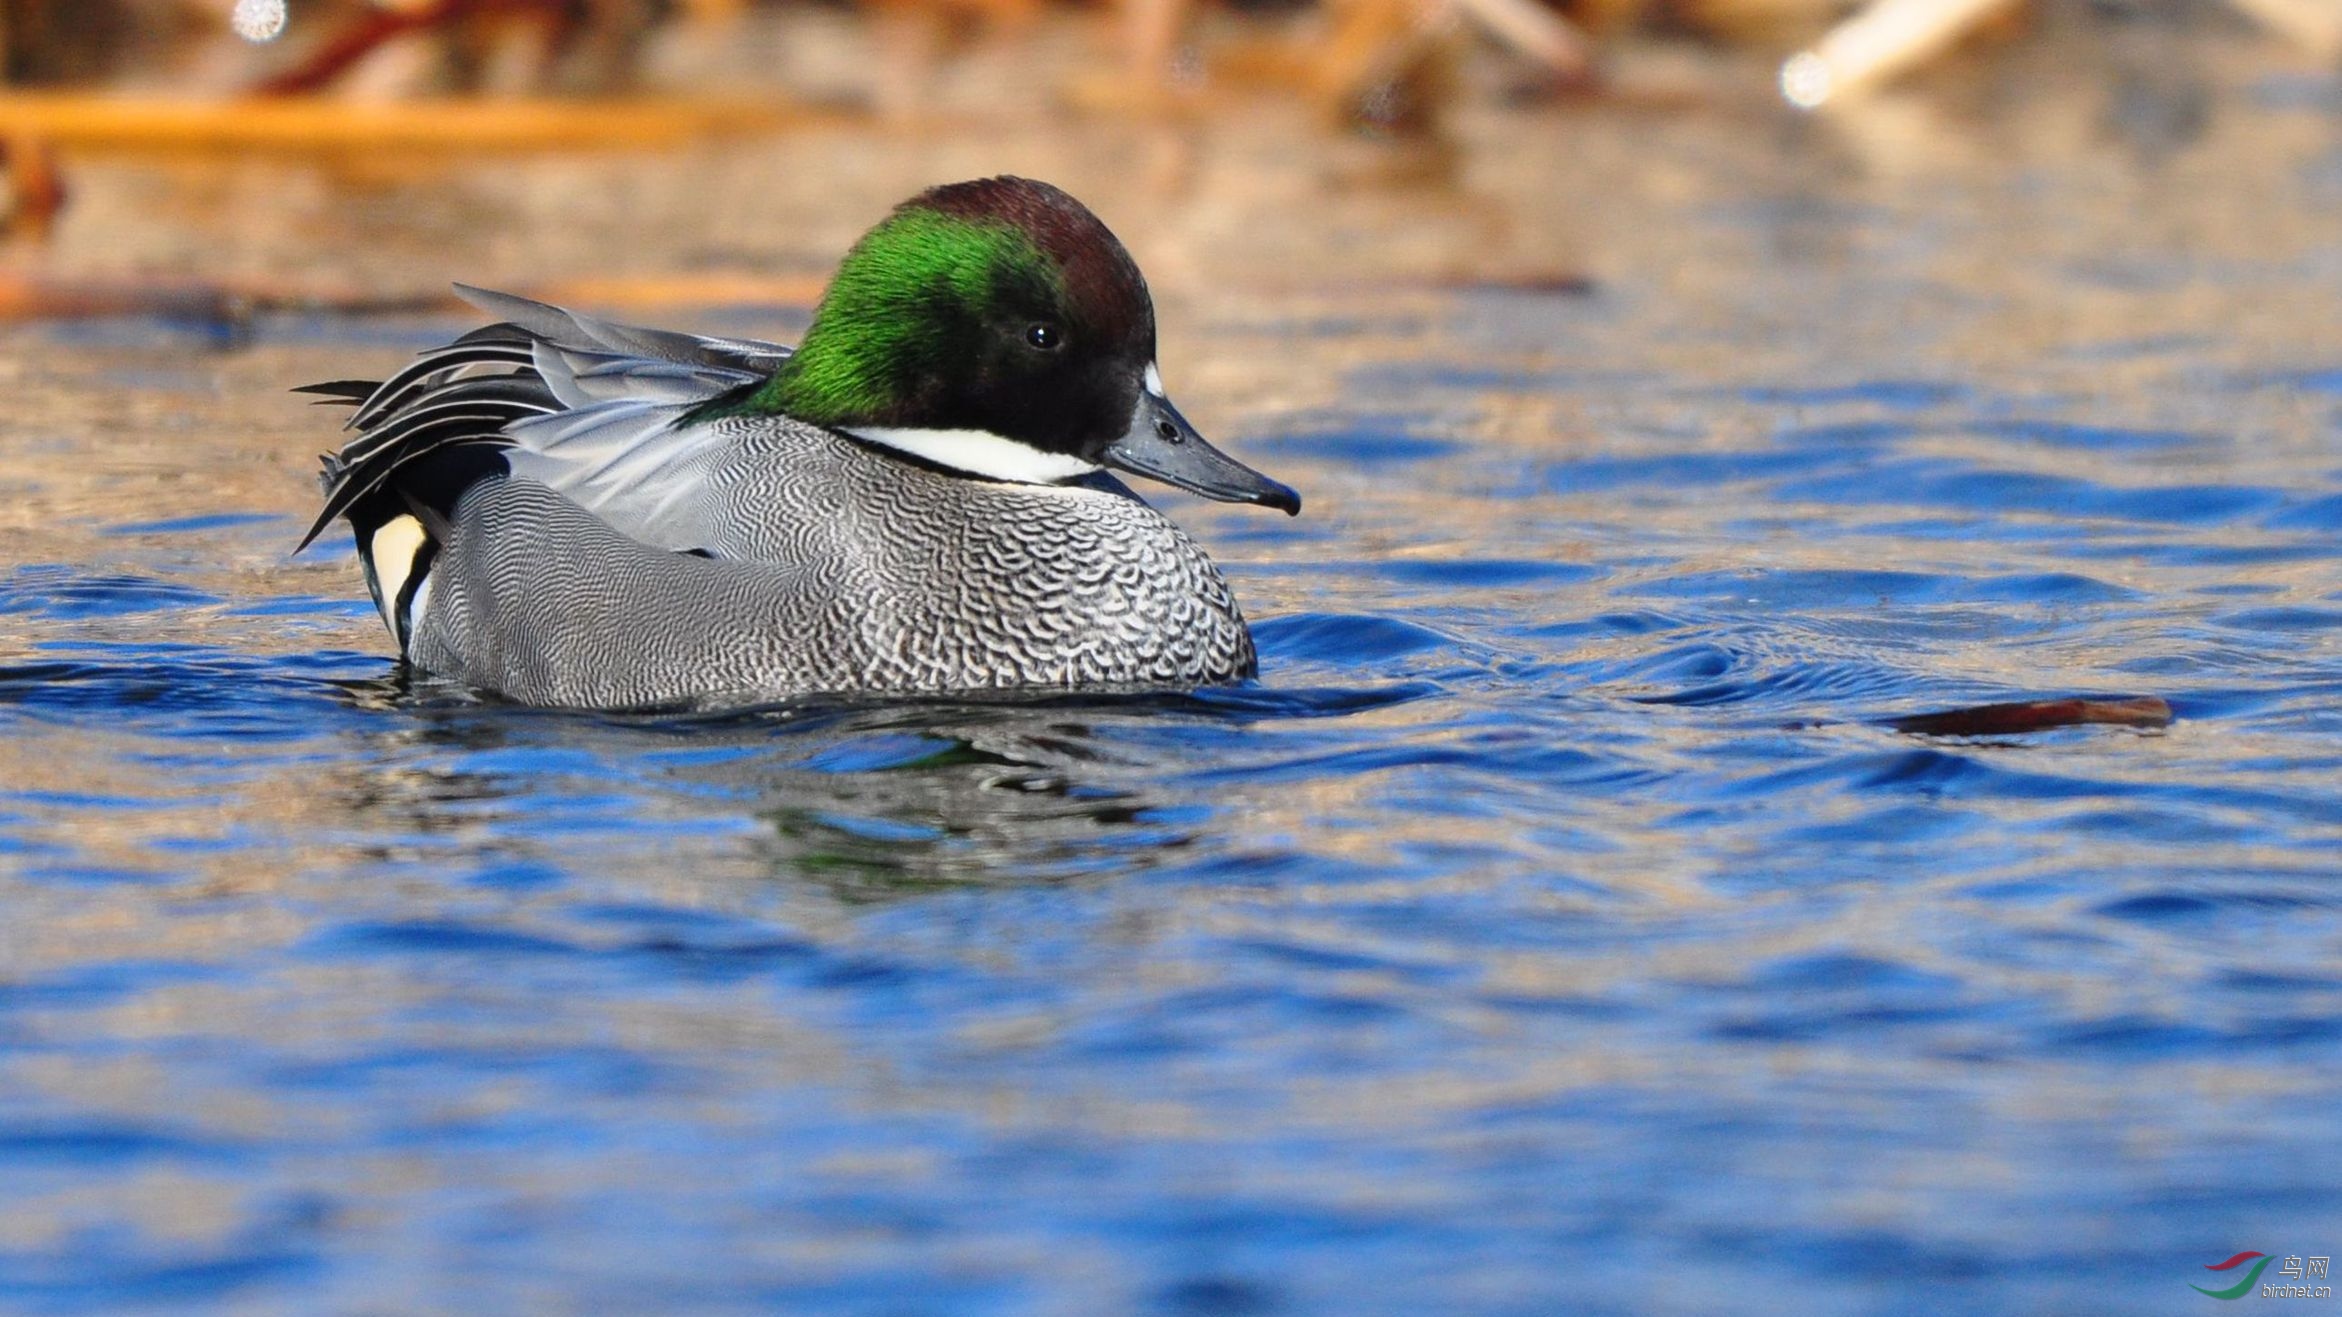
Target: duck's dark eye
1044,337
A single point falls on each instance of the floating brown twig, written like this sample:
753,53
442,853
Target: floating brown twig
2019,717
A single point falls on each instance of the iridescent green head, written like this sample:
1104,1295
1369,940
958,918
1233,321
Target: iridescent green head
997,329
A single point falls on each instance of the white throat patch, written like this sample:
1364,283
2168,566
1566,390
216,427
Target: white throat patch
980,453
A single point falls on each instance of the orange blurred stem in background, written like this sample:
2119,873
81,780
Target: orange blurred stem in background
297,123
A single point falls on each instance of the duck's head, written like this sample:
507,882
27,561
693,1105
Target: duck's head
998,329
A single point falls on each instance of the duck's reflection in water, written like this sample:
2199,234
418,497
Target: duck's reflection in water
867,799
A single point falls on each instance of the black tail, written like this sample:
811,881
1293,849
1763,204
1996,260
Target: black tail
347,393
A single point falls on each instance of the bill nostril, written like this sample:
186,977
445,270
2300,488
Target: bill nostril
1169,432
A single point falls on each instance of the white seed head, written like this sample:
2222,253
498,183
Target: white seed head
1805,80
258,20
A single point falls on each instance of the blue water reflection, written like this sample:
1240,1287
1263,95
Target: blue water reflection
1554,927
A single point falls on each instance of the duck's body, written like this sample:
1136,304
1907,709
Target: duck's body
569,512
835,568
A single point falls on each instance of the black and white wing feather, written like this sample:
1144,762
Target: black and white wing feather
587,406
595,410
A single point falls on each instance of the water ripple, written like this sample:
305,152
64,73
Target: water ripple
1556,922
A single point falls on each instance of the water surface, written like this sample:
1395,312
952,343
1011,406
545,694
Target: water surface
1551,928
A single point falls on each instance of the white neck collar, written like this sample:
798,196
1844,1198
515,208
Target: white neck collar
979,453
